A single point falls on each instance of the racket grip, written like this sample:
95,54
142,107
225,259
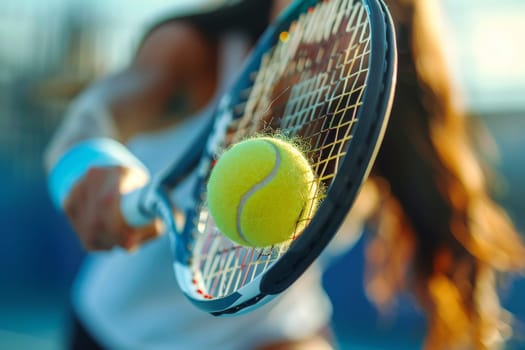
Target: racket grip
132,206
98,152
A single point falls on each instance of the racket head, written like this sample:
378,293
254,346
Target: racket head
331,86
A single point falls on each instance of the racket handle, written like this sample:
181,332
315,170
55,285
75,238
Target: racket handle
133,207
98,152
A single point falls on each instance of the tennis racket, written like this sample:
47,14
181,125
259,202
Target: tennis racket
323,72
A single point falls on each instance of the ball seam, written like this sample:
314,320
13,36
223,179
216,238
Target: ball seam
255,188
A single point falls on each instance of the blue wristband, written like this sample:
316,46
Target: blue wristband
72,166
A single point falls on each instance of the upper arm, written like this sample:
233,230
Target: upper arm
175,61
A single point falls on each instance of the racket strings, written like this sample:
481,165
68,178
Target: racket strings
285,64
309,86
226,267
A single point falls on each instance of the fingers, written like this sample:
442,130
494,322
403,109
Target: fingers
133,238
127,238
93,208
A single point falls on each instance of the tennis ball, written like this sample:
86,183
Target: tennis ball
261,192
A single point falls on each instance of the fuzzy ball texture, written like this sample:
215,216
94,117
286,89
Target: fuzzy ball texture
261,192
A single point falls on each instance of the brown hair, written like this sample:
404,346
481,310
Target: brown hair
439,232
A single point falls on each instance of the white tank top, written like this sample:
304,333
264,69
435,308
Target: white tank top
132,301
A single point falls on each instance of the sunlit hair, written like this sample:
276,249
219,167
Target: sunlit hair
439,234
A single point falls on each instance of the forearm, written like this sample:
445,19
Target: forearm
117,107
86,117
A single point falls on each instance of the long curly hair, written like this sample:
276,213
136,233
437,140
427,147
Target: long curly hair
440,235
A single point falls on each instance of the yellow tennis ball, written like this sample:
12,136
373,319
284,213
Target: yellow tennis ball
261,192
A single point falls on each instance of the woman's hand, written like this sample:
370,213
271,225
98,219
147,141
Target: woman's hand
93,208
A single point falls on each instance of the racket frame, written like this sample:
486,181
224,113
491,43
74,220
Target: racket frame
373,115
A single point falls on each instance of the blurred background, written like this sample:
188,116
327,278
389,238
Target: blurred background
50,49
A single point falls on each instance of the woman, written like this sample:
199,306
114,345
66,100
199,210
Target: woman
431,207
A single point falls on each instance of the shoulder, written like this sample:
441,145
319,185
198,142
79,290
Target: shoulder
174,42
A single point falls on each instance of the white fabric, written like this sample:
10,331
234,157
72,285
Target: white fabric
132,301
